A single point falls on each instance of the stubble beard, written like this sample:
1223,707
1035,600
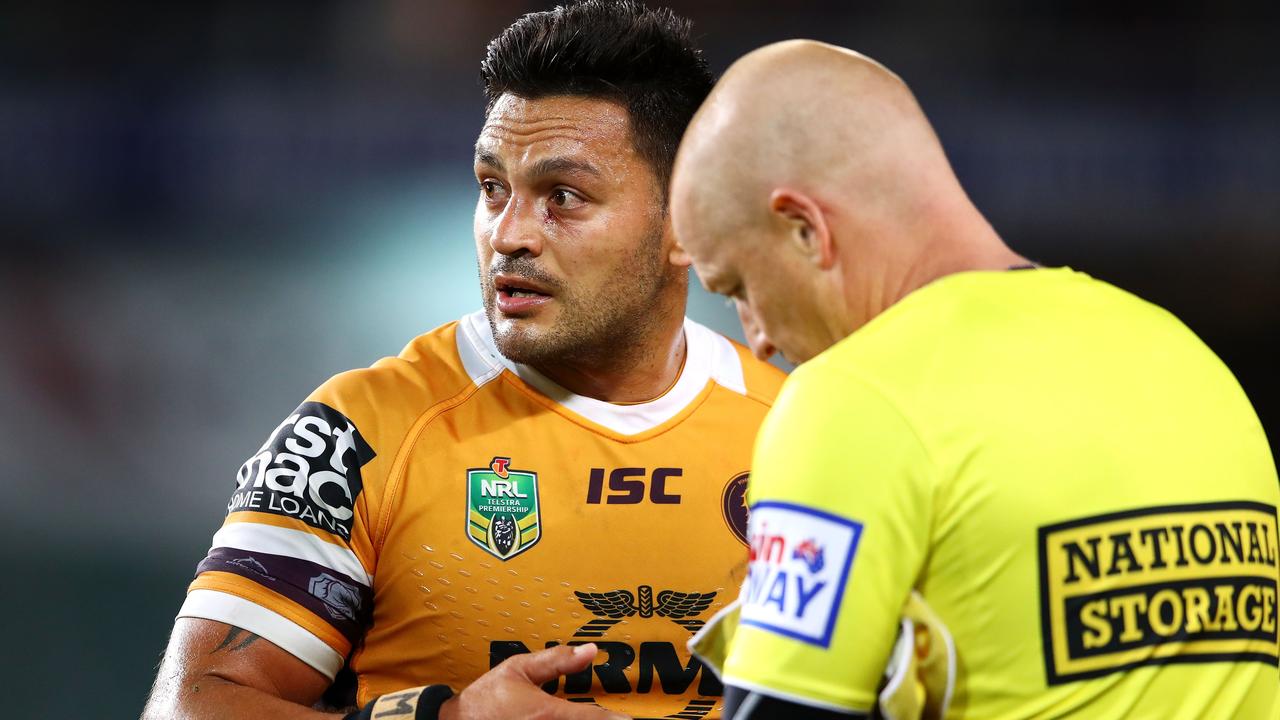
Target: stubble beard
609,327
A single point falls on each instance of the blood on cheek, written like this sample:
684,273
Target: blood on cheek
556,223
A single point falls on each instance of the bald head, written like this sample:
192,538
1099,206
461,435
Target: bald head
808,148
818,118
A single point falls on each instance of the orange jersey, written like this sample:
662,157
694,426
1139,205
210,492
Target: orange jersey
419,521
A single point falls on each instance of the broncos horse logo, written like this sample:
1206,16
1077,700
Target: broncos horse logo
615,605
502,534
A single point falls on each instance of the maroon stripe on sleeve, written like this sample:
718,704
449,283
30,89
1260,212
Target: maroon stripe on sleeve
330,595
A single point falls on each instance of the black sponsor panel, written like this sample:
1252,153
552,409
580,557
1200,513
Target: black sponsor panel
333,596
309,470
1220,609
1193,583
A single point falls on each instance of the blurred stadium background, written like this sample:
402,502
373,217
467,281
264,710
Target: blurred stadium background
208,208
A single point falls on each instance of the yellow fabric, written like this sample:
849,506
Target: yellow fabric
1075,483
711,643
919,681
904,697
935,658
445,607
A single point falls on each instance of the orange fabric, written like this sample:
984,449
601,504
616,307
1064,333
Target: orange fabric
445,607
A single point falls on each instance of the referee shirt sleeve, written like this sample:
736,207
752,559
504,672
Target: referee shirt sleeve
841,508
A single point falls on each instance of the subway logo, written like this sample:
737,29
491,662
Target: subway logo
1171,584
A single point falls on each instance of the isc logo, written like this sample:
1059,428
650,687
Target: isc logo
627,486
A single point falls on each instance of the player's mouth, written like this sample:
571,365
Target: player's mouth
519,296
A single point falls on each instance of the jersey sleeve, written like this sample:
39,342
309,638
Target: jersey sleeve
294,558
840,514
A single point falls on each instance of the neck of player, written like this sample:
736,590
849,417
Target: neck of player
643,372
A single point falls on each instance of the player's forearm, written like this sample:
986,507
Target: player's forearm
211,697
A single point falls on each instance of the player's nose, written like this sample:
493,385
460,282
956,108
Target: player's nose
517,229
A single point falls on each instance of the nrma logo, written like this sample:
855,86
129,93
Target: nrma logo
799,564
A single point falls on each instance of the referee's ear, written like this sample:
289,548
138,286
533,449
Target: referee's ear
679,256
805,225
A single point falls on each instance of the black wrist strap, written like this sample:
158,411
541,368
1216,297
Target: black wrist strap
421,703
429,702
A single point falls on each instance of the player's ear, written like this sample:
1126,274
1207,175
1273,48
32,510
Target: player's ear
806,225
678,256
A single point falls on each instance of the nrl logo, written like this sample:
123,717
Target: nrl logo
502,509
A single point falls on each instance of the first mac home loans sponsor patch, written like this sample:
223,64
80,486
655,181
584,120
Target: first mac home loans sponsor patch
308,469
799,562
1172,584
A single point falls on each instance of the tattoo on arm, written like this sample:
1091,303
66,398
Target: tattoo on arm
230,644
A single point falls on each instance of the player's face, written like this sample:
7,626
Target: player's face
570,232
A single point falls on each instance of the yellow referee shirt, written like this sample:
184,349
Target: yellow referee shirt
1075,484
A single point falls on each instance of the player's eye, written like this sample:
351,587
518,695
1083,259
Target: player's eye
491,189
565,199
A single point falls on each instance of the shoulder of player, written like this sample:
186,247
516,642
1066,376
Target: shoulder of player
427,369
739,371
388,404
388,398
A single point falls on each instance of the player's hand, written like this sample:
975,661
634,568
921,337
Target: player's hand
512,690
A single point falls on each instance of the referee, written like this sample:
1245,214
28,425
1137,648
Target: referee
1062,490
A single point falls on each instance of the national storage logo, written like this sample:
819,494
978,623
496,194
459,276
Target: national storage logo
1173,584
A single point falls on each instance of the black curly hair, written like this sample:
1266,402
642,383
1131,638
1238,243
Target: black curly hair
618,50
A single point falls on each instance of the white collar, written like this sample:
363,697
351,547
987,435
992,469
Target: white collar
711,358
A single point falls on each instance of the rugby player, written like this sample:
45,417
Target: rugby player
1074,485
566,467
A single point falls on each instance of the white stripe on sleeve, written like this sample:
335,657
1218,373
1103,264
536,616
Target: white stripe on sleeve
257,537
283,632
